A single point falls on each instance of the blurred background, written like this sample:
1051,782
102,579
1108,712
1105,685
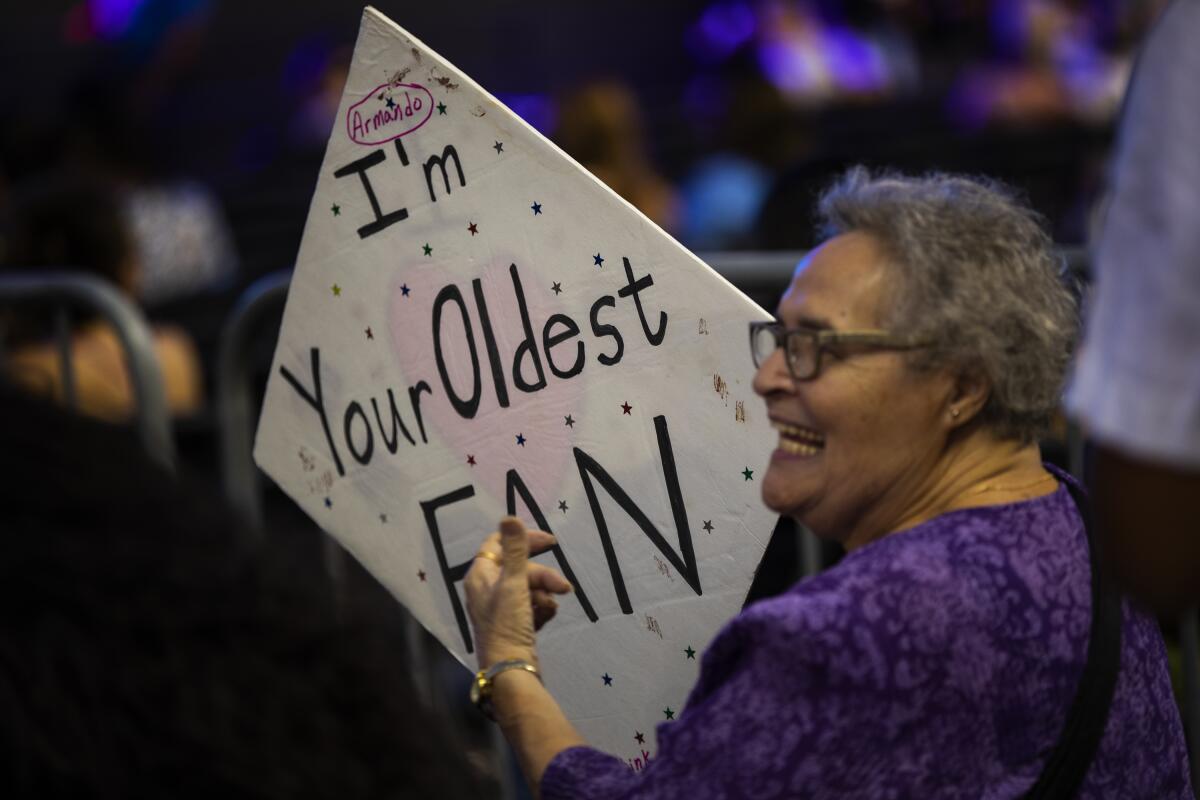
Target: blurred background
170,147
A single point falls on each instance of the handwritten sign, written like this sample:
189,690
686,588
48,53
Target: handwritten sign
478,327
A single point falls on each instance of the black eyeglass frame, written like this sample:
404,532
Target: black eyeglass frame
822,340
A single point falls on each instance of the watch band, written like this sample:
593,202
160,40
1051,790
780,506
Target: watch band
481,687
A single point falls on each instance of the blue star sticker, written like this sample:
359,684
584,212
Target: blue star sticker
328,503
404,290
597,260
391,103
521,439
607,679
537,208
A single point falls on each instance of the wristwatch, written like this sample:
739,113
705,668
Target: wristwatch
481,687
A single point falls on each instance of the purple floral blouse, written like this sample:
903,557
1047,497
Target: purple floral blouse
937,662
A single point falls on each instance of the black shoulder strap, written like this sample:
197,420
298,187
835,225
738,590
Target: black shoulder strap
1069,761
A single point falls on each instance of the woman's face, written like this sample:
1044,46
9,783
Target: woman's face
859,443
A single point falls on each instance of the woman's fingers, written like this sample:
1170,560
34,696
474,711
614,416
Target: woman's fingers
547,579
540,542
544,607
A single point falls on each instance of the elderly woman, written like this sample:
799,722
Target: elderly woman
917,354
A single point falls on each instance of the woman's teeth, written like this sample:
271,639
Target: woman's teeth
795,448
797,432
798,441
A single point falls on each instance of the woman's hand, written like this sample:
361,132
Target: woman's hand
509,597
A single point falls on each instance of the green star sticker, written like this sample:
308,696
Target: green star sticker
337,290
668,713
748,474
441,107
428,250
336,209
690,652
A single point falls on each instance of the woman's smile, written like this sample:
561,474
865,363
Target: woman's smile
797,441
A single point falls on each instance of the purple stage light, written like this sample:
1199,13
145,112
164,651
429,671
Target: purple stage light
721,29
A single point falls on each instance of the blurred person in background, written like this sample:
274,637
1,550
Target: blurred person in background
600,126
1137,384
149,648
68,221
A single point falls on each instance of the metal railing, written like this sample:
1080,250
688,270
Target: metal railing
60,293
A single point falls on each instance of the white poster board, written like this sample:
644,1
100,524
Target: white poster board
477,326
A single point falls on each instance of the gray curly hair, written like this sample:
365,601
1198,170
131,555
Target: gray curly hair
976,277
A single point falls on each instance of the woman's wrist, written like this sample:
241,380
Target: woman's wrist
489,658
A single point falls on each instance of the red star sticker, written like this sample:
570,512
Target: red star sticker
473,228
625,407
471,460
369,334
421,574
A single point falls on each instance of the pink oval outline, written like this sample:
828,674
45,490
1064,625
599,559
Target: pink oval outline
371,94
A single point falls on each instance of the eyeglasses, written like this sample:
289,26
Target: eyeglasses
802,347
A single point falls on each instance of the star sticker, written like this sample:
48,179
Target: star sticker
690,652
556,288
383,518
607,679
708,526
641,737
562,506
473,228
521,439
441,107
336,209
748,474
391,103
428,250
499,147
471,460
369,334
404,290
668,713
626,408
328,503
570,423
421,575
337,290
597,260
537,208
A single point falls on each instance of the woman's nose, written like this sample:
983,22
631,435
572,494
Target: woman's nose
773,375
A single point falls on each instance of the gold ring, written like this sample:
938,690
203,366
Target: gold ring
490,556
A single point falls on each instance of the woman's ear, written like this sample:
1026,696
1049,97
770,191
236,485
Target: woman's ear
969,393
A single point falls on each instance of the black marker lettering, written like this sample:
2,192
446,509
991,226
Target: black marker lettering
489,341
398,426
414,399
451,575
528,346
352,411
632,288
517,486
548,342
599,330
317,400
686,565
440,161
361,166
465,408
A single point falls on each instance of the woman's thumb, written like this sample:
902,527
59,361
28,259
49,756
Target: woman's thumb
514,544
